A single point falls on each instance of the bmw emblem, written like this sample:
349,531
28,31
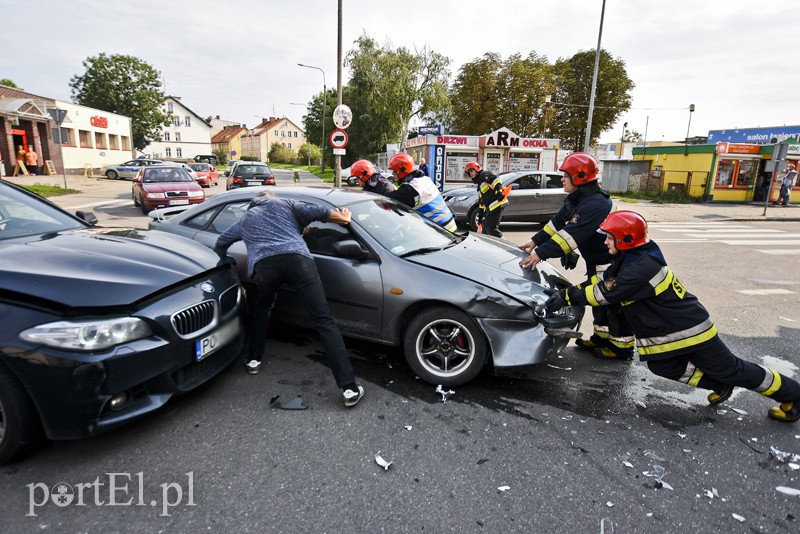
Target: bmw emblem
207,287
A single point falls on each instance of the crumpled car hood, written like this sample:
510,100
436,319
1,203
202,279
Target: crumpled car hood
99,266
489,262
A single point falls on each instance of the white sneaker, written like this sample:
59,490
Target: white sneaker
253,367
351,397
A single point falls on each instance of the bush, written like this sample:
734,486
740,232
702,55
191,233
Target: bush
281,154
222,156
248,158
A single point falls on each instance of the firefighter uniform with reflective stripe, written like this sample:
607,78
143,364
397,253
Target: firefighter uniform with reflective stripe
418,192
674,332
491,202
574,227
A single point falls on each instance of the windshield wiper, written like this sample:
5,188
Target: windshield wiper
423,250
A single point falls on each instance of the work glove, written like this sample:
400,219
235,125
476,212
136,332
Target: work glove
570,261
555,300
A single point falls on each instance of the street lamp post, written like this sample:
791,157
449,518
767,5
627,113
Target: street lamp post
622,141
324,91
686,143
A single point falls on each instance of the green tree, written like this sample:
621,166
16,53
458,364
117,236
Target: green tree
573,79
125,85
281,154
312,120
222,155
388,88
9,83
305,148
632,136
474,95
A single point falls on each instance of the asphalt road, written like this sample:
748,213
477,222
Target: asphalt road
565,447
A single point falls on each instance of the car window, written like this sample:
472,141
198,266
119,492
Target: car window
21,215
130,164
320,237
530,181
166,174
201,167
554,181
251,169
225,217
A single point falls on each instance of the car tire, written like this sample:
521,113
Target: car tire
444,345
472,218
112,175
135,200
20,429
143,207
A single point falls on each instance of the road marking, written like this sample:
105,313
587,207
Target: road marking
765,291
746,236
103,203
683,240
781,252
761,242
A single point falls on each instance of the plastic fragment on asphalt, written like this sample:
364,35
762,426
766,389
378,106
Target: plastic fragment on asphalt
381,462
408,427
653,456
746,442
793,466
712,493
787,319
559,368
788,491
740,411
649,514
643,405
445,394
737,517
296,403
628,465
721,412
503,488
567,418
682,435
610,504
783,456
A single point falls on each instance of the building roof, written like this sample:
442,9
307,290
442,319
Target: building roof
227,134
268,124
178,100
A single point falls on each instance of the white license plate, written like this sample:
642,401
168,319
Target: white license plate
253,182
207,345
178,202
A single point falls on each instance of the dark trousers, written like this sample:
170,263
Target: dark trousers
299,272
714,366
610,326
491,222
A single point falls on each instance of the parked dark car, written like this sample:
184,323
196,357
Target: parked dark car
249,173
101,326
159,186
454,303
535,197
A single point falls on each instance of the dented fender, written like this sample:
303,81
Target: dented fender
514,343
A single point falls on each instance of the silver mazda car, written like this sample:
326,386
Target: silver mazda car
455,303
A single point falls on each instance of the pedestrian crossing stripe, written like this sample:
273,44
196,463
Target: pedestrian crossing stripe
781,252
746,236
765,291
760,242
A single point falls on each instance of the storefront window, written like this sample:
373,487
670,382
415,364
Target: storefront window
724,173
746,176
736,173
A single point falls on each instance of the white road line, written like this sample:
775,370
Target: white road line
740,236
683,240
761,242
781,252
103,203
765,292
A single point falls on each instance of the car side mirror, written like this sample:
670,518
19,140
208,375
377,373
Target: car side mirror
349,248
514,186
87,216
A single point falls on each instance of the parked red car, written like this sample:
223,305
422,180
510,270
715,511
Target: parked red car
161,186
207,175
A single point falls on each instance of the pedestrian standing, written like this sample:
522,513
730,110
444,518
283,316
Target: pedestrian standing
418,192
423,167
492,199
574,227
272,230
32,161
786,186
674,332
20,160
373,181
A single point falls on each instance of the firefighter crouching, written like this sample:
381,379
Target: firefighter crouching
574,227
674,333
373,181
492,198
418,192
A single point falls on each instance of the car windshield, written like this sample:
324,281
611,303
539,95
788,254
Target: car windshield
166,174
21,214
199,167
401,231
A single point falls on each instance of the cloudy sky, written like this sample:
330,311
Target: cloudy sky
738,61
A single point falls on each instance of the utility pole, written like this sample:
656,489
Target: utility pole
594,82
337,172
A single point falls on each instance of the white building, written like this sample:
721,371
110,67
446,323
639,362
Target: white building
187,135
92,138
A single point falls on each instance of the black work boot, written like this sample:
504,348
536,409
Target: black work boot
787,412
590,344
715,397
607,353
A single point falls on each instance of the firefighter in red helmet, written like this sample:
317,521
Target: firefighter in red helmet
574,228
373,181
674,332
418,192
492,198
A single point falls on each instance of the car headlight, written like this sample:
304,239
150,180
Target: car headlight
196,194
155,195
87,335
461,198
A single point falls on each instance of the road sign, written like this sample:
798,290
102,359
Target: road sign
338,139
339,152
342,116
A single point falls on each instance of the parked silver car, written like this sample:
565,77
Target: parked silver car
128,169
535,197
454,303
